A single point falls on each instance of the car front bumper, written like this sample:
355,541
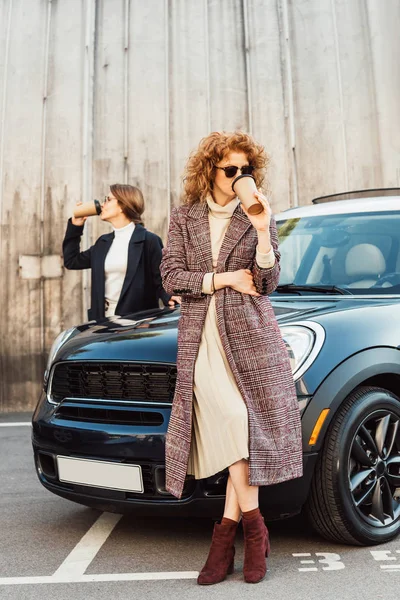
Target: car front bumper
144,446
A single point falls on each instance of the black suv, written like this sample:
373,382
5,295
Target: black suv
100,424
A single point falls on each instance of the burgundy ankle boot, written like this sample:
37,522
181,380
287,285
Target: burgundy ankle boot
256,548
220,558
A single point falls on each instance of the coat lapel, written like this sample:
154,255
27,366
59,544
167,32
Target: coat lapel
199,232
135,250
236,229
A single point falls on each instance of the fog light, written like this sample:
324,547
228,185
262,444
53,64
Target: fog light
159,477
47,465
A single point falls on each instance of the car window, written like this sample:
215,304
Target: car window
360,252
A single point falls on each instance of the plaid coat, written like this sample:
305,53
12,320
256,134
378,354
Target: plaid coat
251,339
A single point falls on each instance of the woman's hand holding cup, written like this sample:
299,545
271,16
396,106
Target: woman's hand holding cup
262,221
78,221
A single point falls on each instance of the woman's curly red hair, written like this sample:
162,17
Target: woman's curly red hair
200,172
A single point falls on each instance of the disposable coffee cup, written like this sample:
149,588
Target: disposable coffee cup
87,209
244,187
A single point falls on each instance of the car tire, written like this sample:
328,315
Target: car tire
352,498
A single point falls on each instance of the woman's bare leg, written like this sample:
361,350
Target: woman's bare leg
232,508
246,495
256,538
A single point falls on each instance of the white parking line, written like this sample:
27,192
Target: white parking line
74,566
103,577
86,549
15,424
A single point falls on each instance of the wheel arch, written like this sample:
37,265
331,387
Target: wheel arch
373,367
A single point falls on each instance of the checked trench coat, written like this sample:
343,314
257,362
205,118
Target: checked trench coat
251,340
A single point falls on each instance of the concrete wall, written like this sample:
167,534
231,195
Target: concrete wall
94,92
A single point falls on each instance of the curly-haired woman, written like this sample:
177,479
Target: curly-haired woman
235,404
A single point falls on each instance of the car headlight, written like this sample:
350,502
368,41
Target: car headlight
58,342
303,343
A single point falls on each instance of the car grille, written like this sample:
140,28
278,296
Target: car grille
148,480
113,381
111,416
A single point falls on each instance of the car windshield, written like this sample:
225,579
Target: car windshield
354,253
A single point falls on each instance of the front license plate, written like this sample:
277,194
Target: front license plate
98,473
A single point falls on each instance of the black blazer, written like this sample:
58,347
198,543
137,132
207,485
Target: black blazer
142,286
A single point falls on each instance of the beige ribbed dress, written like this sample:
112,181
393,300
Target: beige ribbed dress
220,435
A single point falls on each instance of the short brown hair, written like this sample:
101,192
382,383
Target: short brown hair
200,172
130,199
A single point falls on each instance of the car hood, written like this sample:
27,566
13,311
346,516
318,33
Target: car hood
151,336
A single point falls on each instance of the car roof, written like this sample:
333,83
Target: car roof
340,207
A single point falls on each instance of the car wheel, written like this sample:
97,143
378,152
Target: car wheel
355,492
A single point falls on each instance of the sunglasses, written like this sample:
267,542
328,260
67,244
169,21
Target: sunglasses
231,170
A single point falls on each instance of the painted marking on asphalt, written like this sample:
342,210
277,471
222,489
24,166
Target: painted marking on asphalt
305,562
382,555
386,555
15,424
330,559
86,549
99,578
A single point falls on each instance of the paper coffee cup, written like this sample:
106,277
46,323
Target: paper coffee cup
244,187
87,209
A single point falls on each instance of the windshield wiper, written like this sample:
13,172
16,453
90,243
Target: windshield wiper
322,289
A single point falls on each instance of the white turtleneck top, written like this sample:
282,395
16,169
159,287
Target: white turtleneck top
116,262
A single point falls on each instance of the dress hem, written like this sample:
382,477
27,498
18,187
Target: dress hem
219,470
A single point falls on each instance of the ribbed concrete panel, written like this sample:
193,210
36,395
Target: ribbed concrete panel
384,23
318,116
21,299
5,28
268,110
148,122
188,84
66,168
357,95
227,66
5,32
111,127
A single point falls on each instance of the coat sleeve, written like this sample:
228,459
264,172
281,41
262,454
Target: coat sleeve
73,258
266,280
156,246
176,277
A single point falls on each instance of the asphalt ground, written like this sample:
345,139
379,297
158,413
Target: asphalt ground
51,548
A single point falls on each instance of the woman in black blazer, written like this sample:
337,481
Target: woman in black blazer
125,263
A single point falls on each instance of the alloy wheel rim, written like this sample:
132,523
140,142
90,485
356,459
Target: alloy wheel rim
374,469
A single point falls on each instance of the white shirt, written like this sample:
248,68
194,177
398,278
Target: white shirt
116,262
